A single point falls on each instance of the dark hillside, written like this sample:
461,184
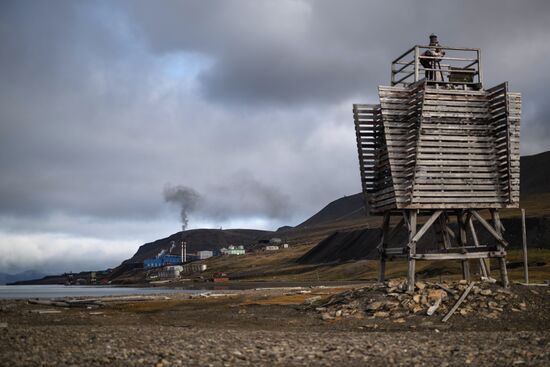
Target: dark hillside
535,174
348,207
200,239
362,243
535,179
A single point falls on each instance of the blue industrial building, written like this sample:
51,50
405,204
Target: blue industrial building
162,261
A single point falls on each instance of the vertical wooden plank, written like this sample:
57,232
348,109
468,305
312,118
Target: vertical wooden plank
382,247
524,232
502,261
392,74
508,143
416,61
465,269
412,250
484,267
479,69
460,221
443,223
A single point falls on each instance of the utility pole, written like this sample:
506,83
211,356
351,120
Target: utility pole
524,238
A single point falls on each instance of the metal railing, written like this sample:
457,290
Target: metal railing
459,66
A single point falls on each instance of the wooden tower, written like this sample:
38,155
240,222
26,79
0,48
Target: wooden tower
439,148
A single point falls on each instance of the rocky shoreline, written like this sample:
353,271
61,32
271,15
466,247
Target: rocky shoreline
371,324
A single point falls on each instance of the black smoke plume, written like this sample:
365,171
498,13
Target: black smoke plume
185,197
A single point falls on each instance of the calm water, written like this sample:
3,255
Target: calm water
58,291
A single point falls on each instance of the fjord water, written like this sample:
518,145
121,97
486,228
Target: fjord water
60,291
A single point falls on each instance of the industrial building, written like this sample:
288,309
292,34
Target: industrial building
162,260
233,250
275,241
204,254
171,272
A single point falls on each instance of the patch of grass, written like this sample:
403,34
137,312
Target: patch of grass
535,205
295,299
147,306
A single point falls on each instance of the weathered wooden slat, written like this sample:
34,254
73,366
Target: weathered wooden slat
460,188
467,201
431,92
460,256
454,151
453,205
451,194
452,102
466,108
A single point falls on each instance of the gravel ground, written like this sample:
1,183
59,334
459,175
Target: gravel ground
160,345
261,328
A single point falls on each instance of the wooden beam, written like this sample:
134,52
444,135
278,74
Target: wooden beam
501,261
459,302
524,238
394,251
458,256
460,221
426,226
482,265
416,62
382,247
444,233
396,228
488,227
412,251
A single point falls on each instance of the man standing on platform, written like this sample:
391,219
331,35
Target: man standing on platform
435,53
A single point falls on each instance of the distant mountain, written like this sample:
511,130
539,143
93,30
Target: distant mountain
535,179
348,207
196,240
362,243
201,239
26,275
535,173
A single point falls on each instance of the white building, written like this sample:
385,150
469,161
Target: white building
171,272
232,250
205,254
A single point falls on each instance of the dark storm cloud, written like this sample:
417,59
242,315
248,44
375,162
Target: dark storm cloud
247,102
318,51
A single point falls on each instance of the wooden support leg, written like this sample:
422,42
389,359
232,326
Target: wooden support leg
382,248
465,270
482,264
524,242
441,229
461,224
503,272
502,261
412,251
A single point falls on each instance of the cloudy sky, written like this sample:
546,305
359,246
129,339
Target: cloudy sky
105,106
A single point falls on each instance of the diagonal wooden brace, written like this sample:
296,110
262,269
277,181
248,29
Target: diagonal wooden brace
489,228
426,226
